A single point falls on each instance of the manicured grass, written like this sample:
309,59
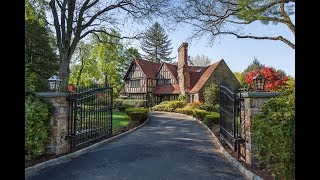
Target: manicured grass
119,119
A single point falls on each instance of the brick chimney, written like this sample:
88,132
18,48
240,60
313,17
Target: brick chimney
183,69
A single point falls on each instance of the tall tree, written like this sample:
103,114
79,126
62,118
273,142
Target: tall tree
41,62
74,20
156,44
253,66
106,62
83,62
200,60
228,17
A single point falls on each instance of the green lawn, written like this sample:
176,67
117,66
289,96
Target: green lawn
119,119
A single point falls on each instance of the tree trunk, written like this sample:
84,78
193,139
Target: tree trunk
64,71
106,79
80,72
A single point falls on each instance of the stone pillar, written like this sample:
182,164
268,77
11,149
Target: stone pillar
251,104
57,143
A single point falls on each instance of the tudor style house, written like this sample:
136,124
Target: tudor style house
157,82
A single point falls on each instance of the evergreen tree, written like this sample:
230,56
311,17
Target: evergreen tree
41,62
156,44
254,65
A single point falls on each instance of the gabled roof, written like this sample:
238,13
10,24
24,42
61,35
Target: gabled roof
167,89
148,67
195,76
204,77
197,68
173,69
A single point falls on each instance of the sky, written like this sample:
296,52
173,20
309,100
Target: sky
237,53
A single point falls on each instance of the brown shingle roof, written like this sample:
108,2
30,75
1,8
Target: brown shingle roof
196,68
173,69
204,77
195,76
148,67
167,89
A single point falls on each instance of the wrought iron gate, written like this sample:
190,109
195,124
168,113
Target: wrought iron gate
90,118
230,119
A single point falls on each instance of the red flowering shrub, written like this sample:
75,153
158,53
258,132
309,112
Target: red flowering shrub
275,80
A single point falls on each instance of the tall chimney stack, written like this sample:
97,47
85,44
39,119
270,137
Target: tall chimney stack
182,55
183,69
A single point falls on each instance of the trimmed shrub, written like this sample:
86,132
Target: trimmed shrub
159,107
37,112
273,136
176,104
122,104
169,106
182,97
200,114
184,110
209,107
211,119
137,115
164,102
194,105
211,94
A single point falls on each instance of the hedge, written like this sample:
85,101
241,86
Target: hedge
211,119
137,115
200,114
209,107
169,106
194,105
159,107
122,104
184,110
273,136
37,127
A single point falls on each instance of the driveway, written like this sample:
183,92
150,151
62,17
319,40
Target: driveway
169,146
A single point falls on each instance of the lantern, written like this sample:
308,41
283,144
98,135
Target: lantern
259,82
54,83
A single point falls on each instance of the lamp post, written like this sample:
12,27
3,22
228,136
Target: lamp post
54,83
259,82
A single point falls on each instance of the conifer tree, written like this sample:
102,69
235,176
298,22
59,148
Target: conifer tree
156,44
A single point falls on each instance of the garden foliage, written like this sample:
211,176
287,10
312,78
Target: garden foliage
211,119
122,104
37,127
211,94
273,132
275,79
137,115
169,106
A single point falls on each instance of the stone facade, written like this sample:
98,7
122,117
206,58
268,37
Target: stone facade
251,104
57,143
222,73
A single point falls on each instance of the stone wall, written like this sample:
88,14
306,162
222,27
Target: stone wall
251,104
222,73
57,143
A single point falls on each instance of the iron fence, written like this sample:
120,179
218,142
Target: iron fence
90,117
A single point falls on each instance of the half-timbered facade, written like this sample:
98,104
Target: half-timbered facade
157,82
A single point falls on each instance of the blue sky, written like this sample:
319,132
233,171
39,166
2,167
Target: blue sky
238,53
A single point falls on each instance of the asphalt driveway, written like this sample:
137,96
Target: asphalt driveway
169,146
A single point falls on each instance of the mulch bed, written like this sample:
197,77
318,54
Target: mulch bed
46,157
263,173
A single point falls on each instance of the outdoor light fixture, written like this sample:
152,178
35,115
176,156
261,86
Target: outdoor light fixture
259,82
54,83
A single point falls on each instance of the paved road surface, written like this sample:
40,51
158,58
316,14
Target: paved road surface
169,146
